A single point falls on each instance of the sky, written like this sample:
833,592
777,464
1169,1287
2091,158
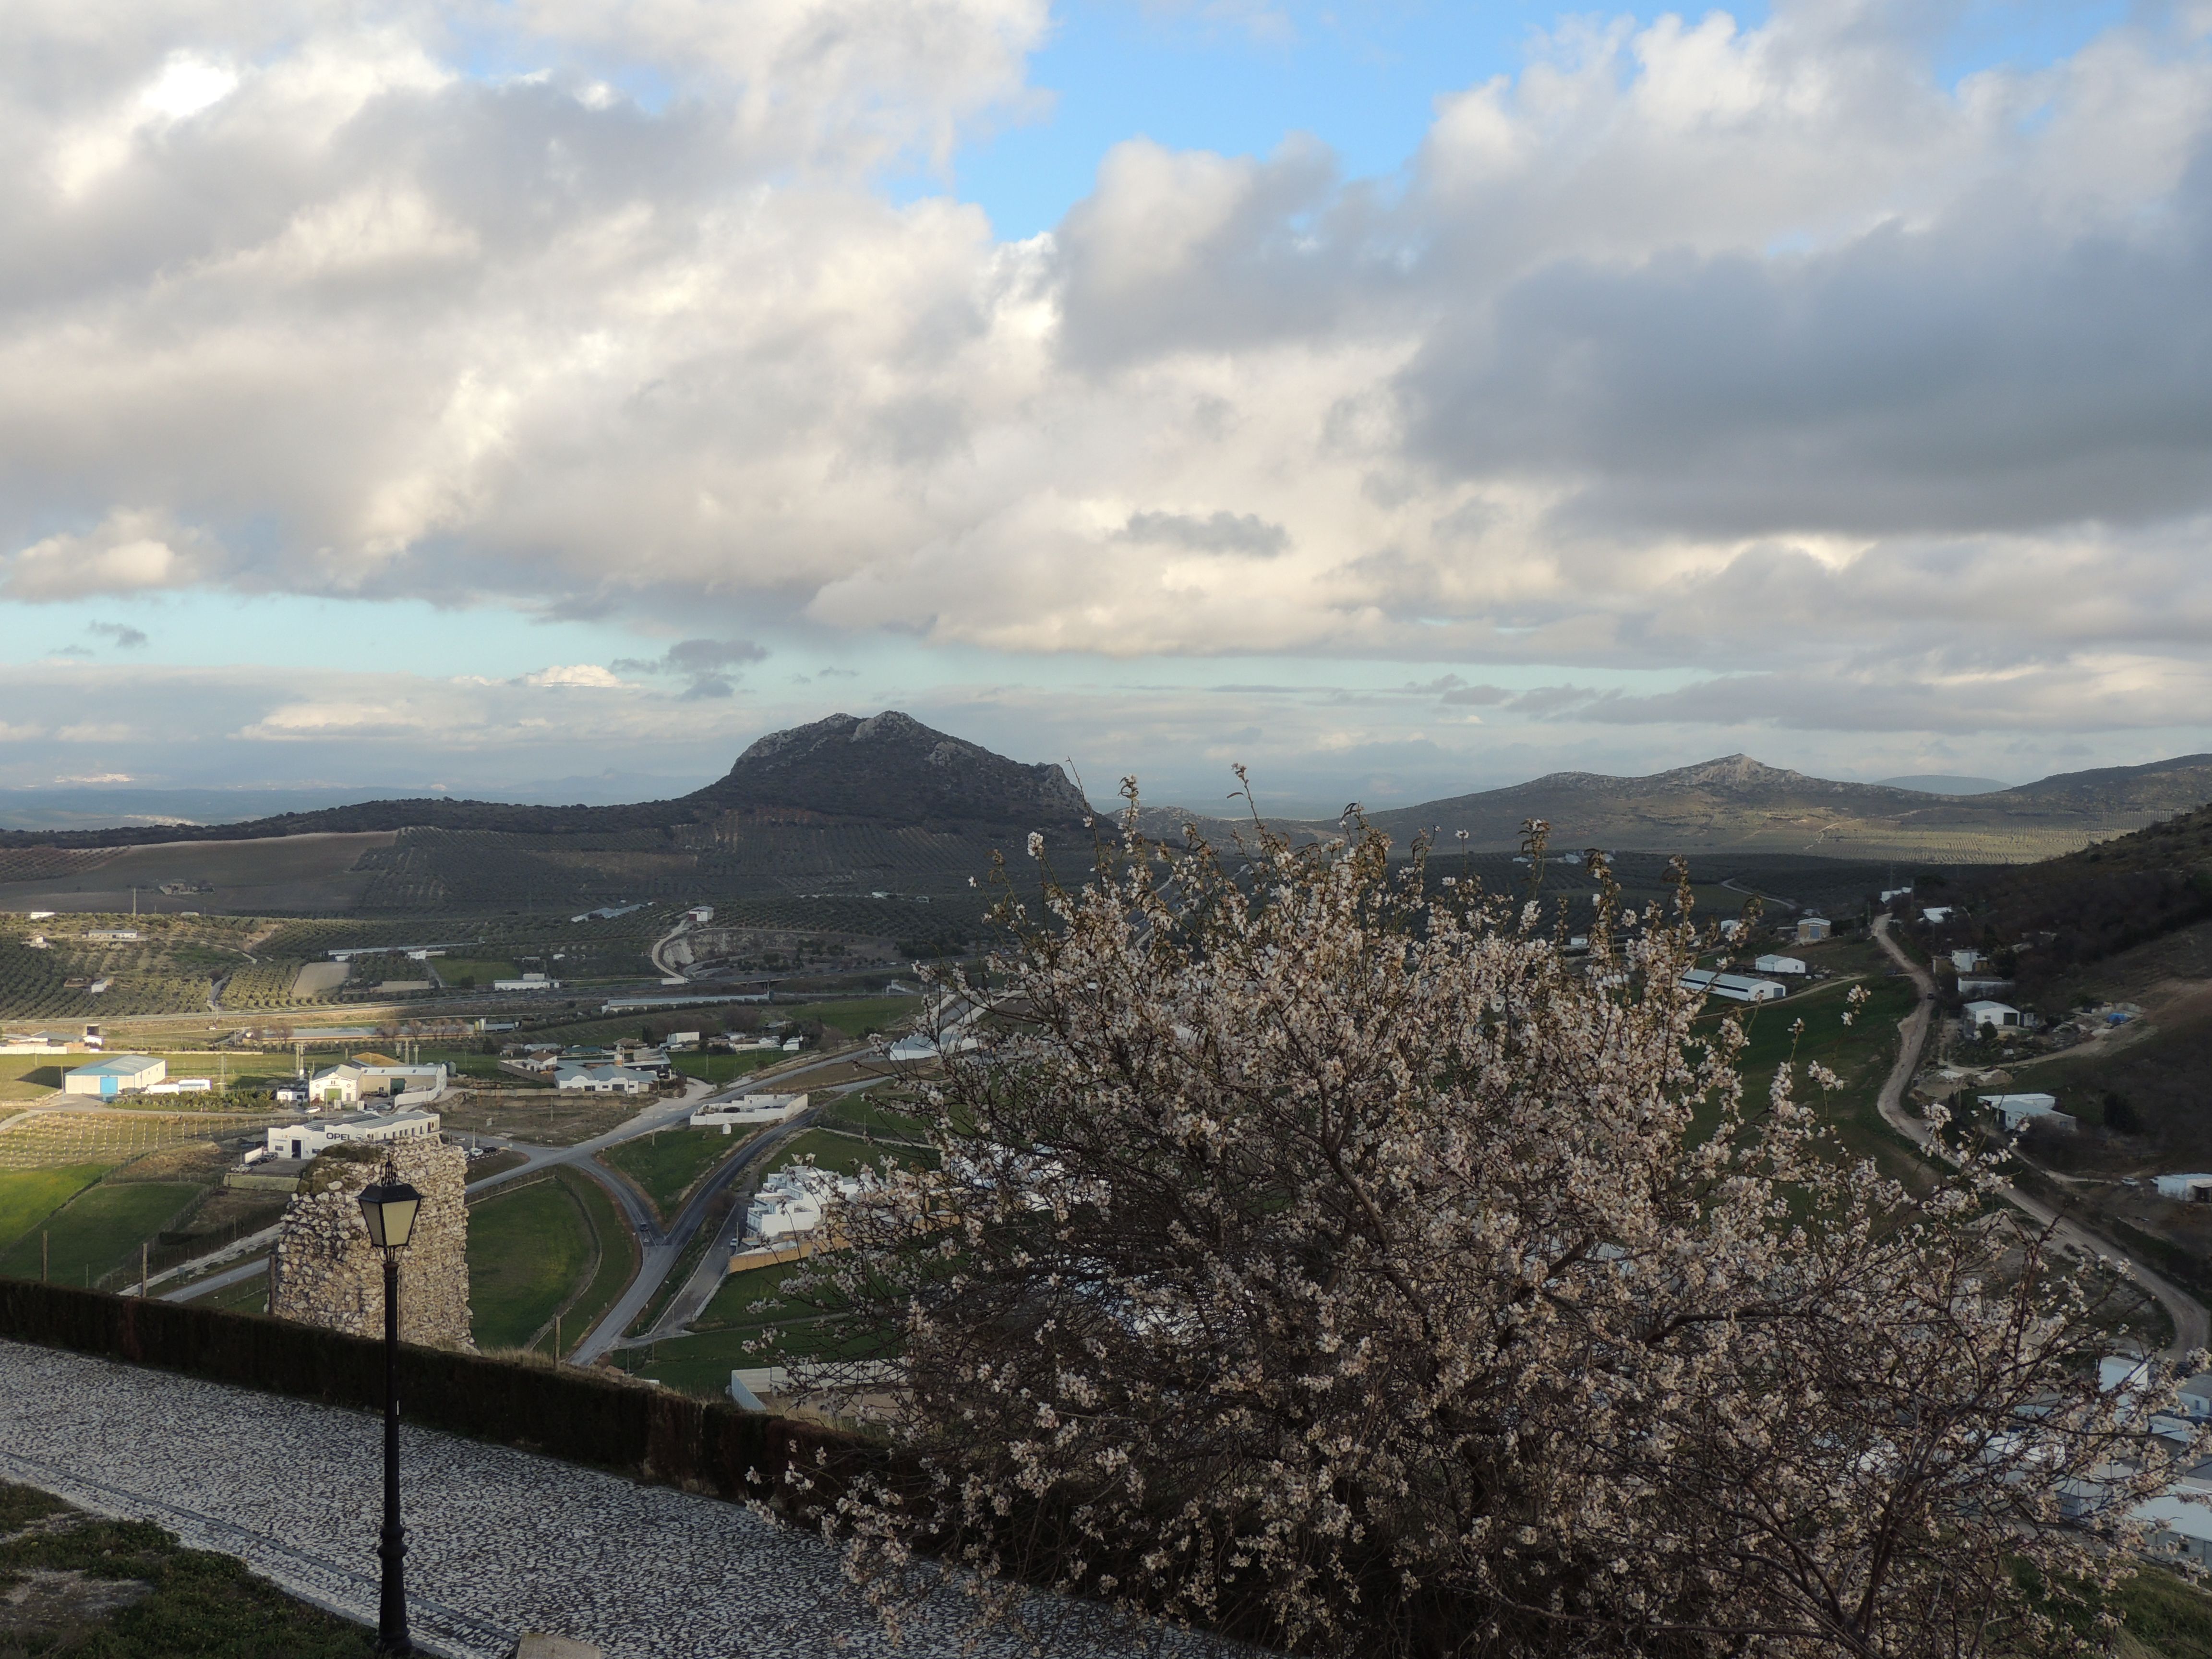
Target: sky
1396,399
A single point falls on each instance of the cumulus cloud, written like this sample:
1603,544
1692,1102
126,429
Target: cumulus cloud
1689,346
121,634
586,674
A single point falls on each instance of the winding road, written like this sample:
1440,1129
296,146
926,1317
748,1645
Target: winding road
2192,1325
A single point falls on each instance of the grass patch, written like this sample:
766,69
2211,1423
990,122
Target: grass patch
29,1196
495,1162
845,1154
856,1115
2169,1616
98,1233
618,1257
724,1068
857,1016
195,1604
247,1296
700,1363
529,1251
30,1077
669,1164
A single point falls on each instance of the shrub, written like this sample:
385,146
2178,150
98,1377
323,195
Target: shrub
1324,1256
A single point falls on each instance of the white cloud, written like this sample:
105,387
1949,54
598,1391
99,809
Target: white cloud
130,552
1692,346
584,674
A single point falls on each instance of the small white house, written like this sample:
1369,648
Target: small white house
1735,987
1937,913
1811,930
701,913
679,1042
2014,1111
2188,1188
308,1139
1889,893
1966,961
1771,964
115,1075
1980,1016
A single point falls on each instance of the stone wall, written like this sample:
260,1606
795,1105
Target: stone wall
324,1271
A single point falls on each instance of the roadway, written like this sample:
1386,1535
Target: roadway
2193,1324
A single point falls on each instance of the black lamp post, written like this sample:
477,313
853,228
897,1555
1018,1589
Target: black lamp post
389,1205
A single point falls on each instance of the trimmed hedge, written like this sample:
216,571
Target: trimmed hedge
583,1417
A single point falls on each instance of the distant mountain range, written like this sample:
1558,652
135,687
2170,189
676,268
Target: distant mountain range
891,771
887,770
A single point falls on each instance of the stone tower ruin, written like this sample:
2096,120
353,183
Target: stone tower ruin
324,1271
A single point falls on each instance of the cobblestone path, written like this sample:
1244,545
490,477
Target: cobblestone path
498,1541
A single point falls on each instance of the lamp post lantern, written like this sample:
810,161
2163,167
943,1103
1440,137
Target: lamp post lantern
389,1205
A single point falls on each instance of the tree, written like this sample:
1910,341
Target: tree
1320,1255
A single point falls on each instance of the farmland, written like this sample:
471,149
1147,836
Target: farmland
55,1140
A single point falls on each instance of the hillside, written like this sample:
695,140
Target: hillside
889,770
1736,802
2087,906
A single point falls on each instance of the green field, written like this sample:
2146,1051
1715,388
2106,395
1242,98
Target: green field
29,1196
700,1363
857,1016
617,1257
529,1251
724,1068
670,1162
99,1231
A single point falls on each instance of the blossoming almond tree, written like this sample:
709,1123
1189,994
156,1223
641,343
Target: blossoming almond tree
1323,1256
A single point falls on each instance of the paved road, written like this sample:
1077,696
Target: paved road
498,1541
2193,1324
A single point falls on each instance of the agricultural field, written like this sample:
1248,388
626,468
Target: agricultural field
728,1335
55,1140
544,1117
724,1068
317,873
856,1017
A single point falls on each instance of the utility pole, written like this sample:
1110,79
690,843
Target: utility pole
45,1251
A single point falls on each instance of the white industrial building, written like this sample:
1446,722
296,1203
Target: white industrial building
1998,1015
118,1074
1935,913
1811,930
1774,965
748,1108
350,1082
1736,988
527,982
2188,1188
298,1141
2016,1111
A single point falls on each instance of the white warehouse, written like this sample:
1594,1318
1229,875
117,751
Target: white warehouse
1736,988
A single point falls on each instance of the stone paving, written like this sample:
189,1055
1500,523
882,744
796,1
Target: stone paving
499,1540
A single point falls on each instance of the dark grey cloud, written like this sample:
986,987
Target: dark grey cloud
704,665
127,637
1215,532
